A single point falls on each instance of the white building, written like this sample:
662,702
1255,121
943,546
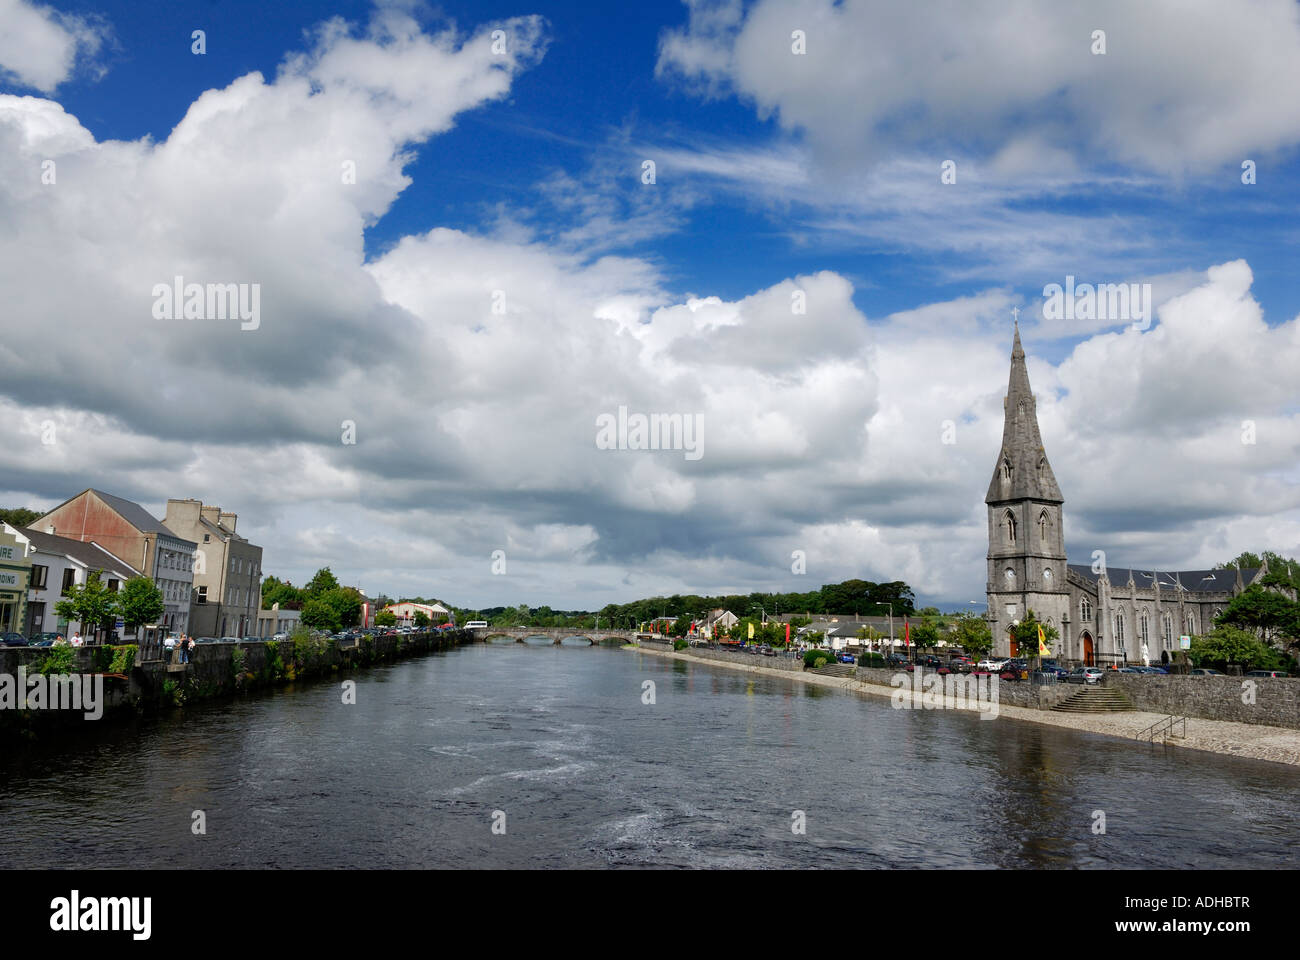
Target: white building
59,563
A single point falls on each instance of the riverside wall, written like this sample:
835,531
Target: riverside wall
215,670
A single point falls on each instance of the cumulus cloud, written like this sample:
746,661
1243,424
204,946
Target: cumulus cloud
1182,86
40,47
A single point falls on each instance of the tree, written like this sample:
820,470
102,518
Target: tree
1027,632
928,634
140,602
385,618
1227,644
91,603
323,582
346,604
422,619
19,517
1273,616
282,592
319,615
971,632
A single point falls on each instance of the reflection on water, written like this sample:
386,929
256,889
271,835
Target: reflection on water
588,775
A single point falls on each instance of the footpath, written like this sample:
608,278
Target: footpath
1277,744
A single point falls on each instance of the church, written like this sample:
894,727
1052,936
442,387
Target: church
1105,615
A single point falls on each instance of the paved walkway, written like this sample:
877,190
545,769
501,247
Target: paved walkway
1278,744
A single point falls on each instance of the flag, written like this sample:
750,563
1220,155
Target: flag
907,633
1042,643
751,631
787,634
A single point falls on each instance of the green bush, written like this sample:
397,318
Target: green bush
872,660
123,659
812,659
59,660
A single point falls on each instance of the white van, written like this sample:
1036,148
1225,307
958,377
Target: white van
476,625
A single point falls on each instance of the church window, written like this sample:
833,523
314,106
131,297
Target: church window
1010,520
1085,610
1144,628
1168,625
1042,467
1006,469
1191,624
1010,574
1119,628
1042,525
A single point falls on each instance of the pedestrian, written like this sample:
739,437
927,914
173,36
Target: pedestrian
76,638
189,648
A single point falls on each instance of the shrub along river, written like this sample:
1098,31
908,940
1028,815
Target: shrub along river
557,748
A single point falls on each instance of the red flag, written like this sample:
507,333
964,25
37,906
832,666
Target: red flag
787,634
907,633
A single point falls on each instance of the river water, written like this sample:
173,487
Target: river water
556,746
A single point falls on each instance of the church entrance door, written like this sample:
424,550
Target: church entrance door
1087,650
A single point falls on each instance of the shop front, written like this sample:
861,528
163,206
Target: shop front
15,576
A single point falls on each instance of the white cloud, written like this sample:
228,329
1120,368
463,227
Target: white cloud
39,46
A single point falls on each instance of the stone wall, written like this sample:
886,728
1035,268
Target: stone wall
1277,700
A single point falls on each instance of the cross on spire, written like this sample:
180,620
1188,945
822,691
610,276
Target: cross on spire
1015,314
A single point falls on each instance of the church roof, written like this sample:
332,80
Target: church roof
1194,581
1022,471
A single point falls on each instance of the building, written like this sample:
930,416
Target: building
718,621
130,532
15,577
1104,615
406,611
274,621
58,564
227,570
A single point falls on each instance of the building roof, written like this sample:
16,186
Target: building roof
1193,581
89,553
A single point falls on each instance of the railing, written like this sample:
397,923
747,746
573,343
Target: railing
1165,728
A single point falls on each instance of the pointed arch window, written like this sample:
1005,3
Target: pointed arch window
1042,468
1119,627
1144,629
1167,622
1043,524
1085,610
1009,519
1191,624
1006,468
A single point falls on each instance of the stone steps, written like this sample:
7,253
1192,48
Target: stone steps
1095,699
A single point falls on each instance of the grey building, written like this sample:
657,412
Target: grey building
1104,615
227,570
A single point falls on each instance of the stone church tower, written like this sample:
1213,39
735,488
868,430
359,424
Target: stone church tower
1026,559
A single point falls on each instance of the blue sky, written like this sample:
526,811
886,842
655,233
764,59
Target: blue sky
776,172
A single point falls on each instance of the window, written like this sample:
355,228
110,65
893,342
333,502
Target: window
40,576
1042,525
1168,625
1119,628
1010,576
1085,610
1009,519
1042,468
113,585
207,538
203,594
1144,628
69,578
1006,469
1191,624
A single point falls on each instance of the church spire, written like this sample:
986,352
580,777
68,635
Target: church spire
1022,471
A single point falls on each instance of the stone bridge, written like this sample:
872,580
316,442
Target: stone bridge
555,634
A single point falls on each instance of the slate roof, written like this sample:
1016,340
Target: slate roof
133,513
1194,581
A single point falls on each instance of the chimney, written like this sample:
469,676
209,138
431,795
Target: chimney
210,514
228,521
49,528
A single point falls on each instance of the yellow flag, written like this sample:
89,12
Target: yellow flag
1042,643
751,631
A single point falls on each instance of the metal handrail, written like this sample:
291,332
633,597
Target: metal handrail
1165,726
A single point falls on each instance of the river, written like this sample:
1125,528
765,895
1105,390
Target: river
557,748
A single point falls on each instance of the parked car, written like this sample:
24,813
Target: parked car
1206,672
846,658
1085,675
12,640
207,640
45,639
1267,673
895,659
1052,668
991,664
